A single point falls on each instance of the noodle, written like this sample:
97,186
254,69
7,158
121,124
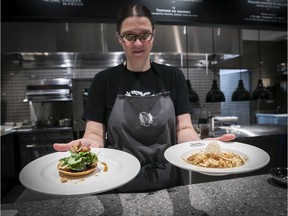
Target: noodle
213,157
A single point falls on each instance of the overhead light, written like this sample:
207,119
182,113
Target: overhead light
260,92
240,94
193,96
215,94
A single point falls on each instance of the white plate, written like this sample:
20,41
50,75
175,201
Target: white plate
41,175
257,158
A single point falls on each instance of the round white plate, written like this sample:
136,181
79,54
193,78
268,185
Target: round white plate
257,158
41,175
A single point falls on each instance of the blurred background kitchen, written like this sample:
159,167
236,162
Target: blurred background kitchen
50,54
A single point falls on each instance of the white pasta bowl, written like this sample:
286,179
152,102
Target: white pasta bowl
256,157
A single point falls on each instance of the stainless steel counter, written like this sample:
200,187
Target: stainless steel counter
7,132
264,129
34,130
42,130
258,130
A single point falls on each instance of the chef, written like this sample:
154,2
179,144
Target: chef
139,106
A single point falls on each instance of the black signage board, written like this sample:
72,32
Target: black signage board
59,10
249,13
268,13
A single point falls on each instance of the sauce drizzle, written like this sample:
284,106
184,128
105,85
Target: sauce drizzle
105,169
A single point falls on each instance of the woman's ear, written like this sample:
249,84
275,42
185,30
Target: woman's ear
118,38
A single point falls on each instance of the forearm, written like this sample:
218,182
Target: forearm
95,131
186,135
185,130
95,137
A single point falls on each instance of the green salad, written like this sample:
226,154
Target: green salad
78,161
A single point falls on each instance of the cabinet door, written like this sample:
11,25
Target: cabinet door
31,147
35,145
8,173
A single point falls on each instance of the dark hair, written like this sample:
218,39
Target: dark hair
133,10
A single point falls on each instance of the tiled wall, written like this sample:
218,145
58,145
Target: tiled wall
242,109
14,80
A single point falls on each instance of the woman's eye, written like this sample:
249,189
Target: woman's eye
130,37
144,36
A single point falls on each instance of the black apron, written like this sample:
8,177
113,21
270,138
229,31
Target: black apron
145,127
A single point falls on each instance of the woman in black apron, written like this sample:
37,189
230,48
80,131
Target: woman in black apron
145,127
139,107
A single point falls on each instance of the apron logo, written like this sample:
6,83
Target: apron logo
146,119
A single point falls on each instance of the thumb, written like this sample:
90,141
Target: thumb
61,146
227,137
224,138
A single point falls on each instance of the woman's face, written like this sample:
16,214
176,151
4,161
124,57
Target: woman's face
136,51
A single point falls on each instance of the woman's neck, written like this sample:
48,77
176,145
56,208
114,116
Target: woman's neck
142,67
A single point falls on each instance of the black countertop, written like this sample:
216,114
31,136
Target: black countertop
255,195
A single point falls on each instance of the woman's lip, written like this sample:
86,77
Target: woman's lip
138,51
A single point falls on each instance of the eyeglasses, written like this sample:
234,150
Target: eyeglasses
144,37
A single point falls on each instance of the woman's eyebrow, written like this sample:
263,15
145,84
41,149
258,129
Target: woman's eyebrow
132,32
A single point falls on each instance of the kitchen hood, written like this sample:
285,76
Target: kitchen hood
83,60
86,45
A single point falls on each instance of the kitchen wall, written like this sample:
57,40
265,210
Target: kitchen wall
14,79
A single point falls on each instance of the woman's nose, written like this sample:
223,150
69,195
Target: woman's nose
138,41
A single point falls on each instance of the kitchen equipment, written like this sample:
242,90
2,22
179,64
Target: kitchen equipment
270,118
37,124
279,175
49,90
49,101
51,122
223,120
204,128
80,89
66,122
85,95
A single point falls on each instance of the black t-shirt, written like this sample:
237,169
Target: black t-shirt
105,87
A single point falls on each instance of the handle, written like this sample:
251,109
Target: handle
37,146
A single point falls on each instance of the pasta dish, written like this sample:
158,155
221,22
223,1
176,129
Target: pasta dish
213,157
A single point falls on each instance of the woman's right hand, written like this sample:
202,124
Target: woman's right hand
91,143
